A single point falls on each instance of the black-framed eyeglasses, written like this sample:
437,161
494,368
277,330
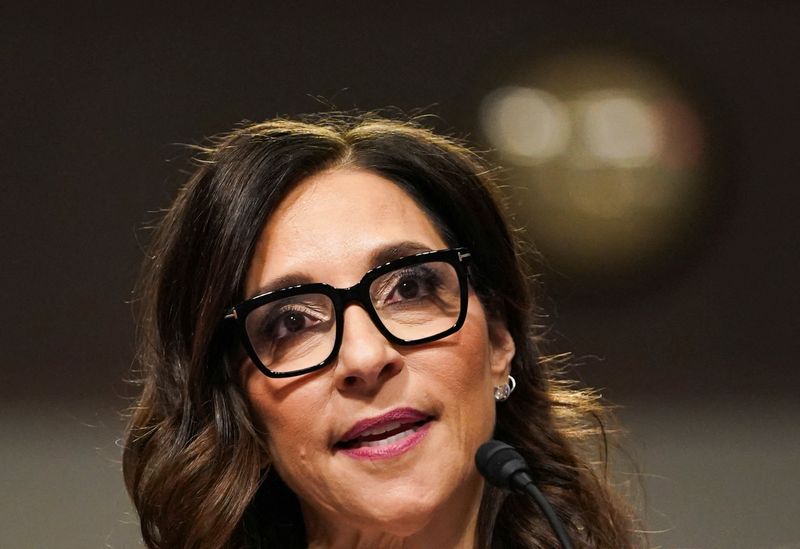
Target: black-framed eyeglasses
412,300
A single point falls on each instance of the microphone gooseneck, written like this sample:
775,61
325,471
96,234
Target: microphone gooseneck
502,466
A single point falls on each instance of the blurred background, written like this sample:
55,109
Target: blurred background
649,151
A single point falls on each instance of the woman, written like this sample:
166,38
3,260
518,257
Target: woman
333,317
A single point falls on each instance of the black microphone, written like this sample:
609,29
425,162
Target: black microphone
502,466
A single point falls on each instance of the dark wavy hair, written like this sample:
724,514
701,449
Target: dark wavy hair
193,457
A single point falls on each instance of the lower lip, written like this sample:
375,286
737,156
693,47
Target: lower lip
390,450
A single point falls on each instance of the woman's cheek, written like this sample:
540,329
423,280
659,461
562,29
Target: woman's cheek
297,425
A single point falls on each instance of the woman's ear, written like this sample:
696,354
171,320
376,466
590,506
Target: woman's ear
502,351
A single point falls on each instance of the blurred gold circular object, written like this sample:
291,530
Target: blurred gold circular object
608,156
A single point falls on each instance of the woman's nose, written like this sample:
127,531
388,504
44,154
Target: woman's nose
366,359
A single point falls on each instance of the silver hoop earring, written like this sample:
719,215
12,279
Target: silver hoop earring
502,392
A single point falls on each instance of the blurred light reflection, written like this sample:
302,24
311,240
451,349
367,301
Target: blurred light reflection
620,129
609,160
530,125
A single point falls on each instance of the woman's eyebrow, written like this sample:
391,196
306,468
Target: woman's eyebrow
396,250
285,281
384,254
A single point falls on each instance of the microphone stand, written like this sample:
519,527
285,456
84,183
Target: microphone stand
549,514
502,466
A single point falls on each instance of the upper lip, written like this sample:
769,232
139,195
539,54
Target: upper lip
398,415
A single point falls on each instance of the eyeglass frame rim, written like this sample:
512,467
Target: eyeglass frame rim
458,257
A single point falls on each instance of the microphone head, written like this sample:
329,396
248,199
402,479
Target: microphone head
500,464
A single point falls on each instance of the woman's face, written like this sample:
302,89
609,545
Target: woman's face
330,229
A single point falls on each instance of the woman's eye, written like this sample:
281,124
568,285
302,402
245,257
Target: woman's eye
293,322
289,324
411,287
408,289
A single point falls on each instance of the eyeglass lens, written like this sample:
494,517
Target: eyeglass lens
413,303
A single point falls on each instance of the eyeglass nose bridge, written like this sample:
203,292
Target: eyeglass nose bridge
359,294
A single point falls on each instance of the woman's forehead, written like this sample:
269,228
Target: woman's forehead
333,224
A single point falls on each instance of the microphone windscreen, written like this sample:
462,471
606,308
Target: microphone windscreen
498,463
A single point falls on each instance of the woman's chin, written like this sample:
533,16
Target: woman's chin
407,505
396,516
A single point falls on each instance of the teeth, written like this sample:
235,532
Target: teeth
381,429
389,440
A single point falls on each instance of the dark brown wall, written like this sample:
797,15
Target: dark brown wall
94,99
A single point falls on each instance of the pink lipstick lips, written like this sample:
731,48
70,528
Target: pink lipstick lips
385,436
